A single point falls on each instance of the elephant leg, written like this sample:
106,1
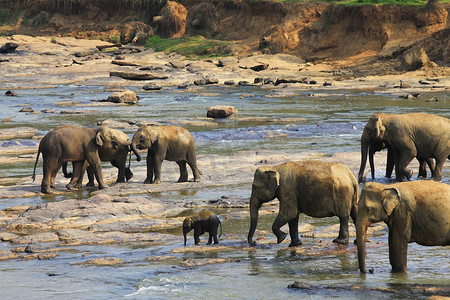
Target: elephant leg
389,163
343,231
183,171
53,177
96,165
191,159
157,169
49,166
91,177
128,174
437,176
430,163
150,168
121,171
196,236
293,232
404,160
422,168
77,168
277,224
398,250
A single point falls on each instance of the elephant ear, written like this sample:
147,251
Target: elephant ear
99,138
391,199
273,180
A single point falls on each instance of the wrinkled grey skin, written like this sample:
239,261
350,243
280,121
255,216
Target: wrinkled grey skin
117,157
171,143
416,211
316,188
412,135
205,221
76,144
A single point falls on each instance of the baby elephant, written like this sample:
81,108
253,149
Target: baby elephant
203,222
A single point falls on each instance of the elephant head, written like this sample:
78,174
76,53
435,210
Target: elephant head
143,139
372,138
188,225
264,189
111,138
376,204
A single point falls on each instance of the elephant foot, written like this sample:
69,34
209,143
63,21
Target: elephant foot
101,187
295,242
70,187
340,241
196,179
128,174
68,175
409,175
281,237
182,179
52,185
78,186
90,184
157,181
146,181
46,190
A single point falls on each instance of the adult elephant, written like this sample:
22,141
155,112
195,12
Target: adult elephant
412,135
118,158
416,211
379,146
171,143
316,188
76,144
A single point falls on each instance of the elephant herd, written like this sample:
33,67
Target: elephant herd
416,211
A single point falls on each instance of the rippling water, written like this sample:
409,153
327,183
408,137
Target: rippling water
334,123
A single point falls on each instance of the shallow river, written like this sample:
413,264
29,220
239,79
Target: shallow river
334,123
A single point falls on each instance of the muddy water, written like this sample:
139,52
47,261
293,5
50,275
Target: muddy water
334,123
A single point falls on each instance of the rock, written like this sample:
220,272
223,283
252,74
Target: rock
27,109
117,124
172,21
184,85
7,255
229,82
286,80
202,19
177,64
137,75
327,83
203,262
227,61
201,81
274,41
104,261
136,33
258,80
85,53
259,67
151,87
18,132
404,85
9,47
11,93
269,80
414,59
115,88
128,97
49,111
434,99
220,111
124,63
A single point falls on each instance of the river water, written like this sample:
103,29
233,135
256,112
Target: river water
334,123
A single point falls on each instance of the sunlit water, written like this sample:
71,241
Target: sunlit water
334,123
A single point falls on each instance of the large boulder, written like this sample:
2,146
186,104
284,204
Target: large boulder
8,47
433,13
221,111
128,97
136,33
203,19
273,41
172,21
414,59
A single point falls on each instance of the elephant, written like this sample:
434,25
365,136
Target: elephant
171,143
202,222
315,188
416,211
379,146
411,135
76,144
117,157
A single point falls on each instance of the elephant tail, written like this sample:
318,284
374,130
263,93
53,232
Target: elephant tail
35,164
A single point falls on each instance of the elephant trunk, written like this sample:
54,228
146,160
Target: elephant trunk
254,208
185,238
361,233
364,152
135,151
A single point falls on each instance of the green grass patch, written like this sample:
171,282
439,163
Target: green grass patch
191,47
